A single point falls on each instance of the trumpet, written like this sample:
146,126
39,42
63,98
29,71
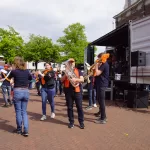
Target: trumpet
91,69
100,60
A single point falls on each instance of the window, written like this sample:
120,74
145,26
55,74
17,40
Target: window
33,64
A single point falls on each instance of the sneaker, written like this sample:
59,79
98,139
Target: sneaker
104,119
70,125
95,105
17,131
6,105
53,115
25,134
43,118
99,121
88,108
47,102
82,126
97,114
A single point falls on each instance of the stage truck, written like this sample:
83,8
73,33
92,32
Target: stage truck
129,59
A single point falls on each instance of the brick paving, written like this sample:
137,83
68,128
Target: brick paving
126,129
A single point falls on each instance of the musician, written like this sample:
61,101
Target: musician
91,93
48,89
101,83
38,82
6,86
59,75
74,93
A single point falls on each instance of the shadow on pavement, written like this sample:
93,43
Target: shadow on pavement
35,116
5,126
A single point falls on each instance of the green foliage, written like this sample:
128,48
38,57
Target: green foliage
95,49
73,42
11,44
40,48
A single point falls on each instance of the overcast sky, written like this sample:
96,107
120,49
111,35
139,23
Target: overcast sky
50,17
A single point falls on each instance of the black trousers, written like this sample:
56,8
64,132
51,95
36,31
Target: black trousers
72,96
100,95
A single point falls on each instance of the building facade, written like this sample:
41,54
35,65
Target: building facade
128,3
31,65
133,10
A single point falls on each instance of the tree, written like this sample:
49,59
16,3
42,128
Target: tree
74,42
11,44
56,53
40,48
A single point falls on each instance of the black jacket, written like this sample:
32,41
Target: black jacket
50,79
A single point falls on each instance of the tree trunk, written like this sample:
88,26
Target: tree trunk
36,65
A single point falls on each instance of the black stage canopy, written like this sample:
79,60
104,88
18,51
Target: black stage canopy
119,36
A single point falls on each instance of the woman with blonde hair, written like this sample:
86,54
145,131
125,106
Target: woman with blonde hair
21,94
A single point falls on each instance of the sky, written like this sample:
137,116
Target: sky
50,17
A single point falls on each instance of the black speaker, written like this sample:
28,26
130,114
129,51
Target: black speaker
140,102
90,55
138,58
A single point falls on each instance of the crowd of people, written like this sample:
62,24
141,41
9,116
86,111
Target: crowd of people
17,80
36,81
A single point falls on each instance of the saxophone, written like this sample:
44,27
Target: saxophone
70,73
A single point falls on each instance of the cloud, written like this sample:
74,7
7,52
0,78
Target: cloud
49,17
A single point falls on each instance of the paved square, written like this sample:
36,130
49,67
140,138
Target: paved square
126,129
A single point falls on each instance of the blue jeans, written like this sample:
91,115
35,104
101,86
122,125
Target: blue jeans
6,90
21,98
92,96
47,94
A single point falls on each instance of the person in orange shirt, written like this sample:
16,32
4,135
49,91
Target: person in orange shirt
74,93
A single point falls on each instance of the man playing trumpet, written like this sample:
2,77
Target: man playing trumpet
73,93
101,83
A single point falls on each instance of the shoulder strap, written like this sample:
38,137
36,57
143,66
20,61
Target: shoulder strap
5,77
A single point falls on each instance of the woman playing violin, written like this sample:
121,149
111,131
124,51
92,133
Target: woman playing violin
48,89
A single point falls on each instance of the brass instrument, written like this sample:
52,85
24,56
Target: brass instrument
91,70
100,60
70,73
